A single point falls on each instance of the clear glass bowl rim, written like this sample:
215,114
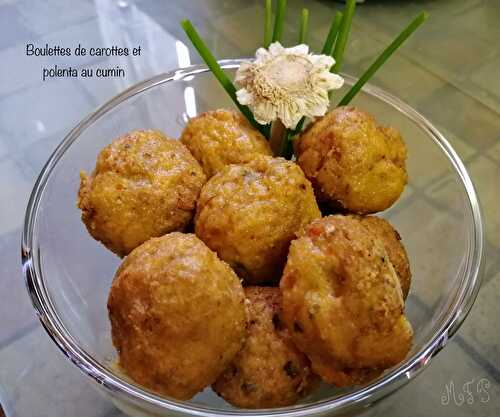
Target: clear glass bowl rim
49,318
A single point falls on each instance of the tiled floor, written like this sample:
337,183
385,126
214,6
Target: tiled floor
455,367
45,364
448,71
488,189
477,329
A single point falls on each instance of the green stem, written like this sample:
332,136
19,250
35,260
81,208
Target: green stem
287,148
268,24
345,28
298,128
383,57
332,34
221,76
279,134
278,21
304,26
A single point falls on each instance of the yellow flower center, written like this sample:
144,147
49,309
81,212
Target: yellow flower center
287,72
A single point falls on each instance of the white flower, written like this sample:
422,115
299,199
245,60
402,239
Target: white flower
286,84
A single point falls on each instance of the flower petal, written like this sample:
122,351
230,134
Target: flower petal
301,49
334,81
261,55
289,114
243,72
322,61
244,96
318,109
276,49
264,112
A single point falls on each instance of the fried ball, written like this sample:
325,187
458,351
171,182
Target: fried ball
249,214
395,249
222,137
143,185
353,163
269,371
177,315
343,303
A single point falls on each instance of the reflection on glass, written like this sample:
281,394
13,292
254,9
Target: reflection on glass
190,100
183,57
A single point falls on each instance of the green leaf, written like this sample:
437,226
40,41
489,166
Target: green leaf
268,24
304,26
219,74
287,146
383,57
298,128
278,21
332,34
345,28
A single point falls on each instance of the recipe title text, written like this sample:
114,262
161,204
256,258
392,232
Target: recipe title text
61,70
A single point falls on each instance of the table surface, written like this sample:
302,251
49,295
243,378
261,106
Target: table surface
448,71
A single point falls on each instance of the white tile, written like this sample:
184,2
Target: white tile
17,313
477,329
129,28
42,110
4,145
35,155
14,196
87,33
21,71
49,15
39,381
14,30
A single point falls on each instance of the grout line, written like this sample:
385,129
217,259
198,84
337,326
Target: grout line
477,153
493,269
433,71
422,195
489,157
113,412
478,358
468,348
490,249
421,190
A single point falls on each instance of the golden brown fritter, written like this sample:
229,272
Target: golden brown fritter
343,303
222,137
394,247
143,185
353,163
177,315
269,371
249,214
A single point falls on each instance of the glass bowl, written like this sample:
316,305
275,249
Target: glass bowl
68,274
